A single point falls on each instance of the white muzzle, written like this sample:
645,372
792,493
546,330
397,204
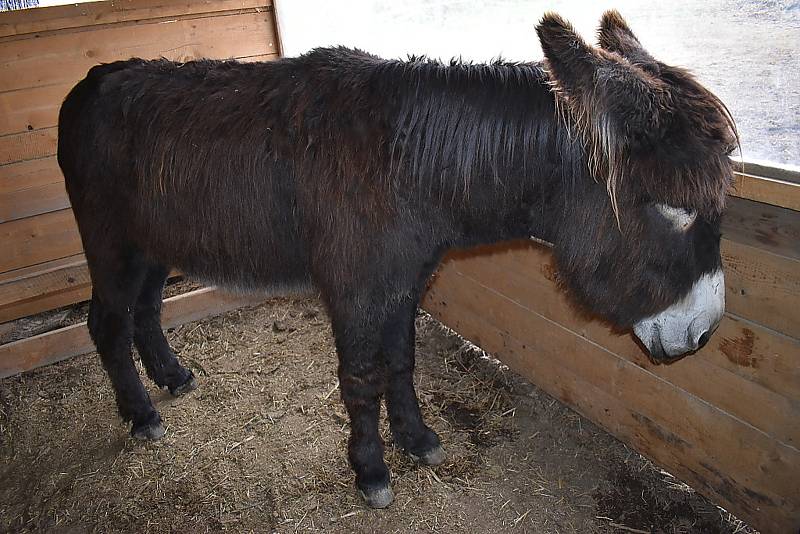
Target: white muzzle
686,325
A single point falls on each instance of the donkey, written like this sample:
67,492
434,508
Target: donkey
352,174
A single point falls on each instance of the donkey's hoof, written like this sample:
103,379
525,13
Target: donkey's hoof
378,497
151,430
189,385
434,456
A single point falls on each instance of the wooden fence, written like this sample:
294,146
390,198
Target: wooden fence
43,53
726,420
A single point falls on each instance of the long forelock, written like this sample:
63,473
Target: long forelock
604,149
609,160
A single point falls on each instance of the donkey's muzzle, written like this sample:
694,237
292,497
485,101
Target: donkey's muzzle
687,325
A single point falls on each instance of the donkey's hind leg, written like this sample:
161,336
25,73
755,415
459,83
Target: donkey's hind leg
116,281
157,357
408,429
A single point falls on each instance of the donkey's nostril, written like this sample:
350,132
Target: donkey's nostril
703,339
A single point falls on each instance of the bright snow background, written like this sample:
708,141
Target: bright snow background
748,52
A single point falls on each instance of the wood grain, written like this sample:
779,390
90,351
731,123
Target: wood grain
770,190
55,281
762,287
63,58
32,108
735,464
27,145
763,226
65,17
739,346
32,173
776,172
33,201
39,239
65,296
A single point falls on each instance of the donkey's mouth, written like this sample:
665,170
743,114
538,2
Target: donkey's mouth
657,353
686,326
659,356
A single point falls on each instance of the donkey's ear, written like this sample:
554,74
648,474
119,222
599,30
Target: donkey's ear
612,100
615,35
571,62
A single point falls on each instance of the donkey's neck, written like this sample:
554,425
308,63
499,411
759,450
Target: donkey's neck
486,139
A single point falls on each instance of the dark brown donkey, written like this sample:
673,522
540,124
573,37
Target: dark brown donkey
354,175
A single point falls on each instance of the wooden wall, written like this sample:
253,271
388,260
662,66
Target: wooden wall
725,420
43,53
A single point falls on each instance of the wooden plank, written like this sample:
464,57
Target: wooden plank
28,145
31,109
51,347
735,393
33,201
45,286
258,57
770,190
32,173
44,302
736,465
41,268
16,23
39,239
762,287
65,58
54,283
767,227
785,173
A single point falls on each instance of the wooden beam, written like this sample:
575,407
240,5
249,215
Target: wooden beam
50,285
776,172
33,201
26,174
762,287
51,347
27,145
19,23
740,346
31,109
63,58
39,239
770,190
763,226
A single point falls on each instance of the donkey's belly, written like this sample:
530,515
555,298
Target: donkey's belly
240,243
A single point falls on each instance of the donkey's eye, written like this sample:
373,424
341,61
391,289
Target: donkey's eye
680,218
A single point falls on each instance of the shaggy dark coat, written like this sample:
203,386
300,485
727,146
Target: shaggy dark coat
353,174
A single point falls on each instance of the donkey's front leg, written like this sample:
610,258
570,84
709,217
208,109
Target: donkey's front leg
408,429
361,378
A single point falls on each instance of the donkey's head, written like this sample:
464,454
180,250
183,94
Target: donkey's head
640,242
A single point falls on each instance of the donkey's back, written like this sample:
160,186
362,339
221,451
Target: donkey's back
173,161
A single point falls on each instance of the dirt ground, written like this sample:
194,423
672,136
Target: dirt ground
260,447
